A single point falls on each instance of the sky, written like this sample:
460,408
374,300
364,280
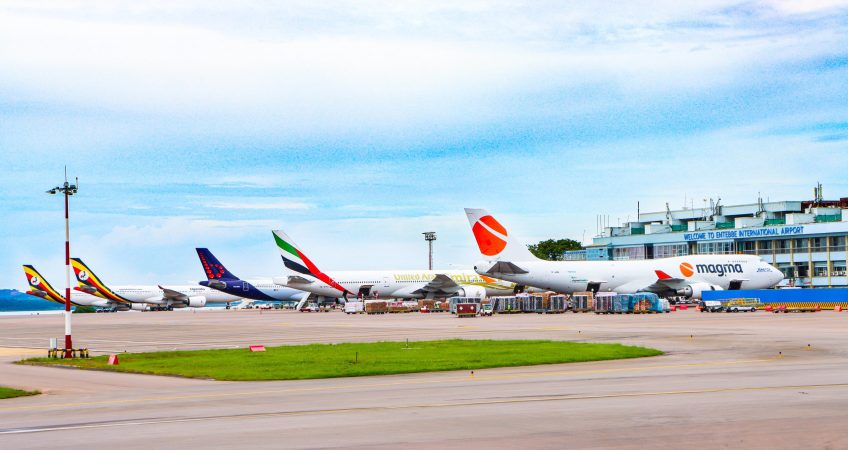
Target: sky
357,125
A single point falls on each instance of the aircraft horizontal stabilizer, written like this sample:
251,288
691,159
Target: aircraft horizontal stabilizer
504,267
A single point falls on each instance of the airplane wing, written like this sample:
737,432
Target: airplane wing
441,283
171,294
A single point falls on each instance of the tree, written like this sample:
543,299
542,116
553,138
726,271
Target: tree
552,250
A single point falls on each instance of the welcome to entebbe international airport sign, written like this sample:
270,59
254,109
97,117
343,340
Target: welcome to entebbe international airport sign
748,233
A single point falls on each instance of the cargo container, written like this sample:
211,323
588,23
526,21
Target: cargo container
622,303
556,304
453,302
376,307
354,307
467,309
603,304
645,303
583,301
665,305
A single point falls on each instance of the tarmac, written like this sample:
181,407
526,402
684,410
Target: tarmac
746,380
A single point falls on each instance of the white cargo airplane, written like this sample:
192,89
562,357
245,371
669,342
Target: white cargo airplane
172,297
382,283
508,259
39,287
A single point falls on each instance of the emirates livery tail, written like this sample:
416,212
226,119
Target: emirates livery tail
494,240
296,260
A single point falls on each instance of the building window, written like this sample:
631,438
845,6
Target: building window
838,268
837,243
781,246
670,250
803,269
820,269
765,247
818,244
747,247
625,253
800,245
715,248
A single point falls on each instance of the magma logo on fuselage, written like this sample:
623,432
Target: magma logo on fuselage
688,269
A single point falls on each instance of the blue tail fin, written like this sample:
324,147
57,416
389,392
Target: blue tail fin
213,268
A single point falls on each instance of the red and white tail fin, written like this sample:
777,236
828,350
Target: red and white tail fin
493,240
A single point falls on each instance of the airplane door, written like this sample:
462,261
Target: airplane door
735,285
593,287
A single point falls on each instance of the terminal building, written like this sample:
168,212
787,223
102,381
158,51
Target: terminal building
805,239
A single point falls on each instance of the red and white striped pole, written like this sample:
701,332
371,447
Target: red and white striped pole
68,344
67,190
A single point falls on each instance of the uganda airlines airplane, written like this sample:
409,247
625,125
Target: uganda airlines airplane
218,277
39,287
382,283
688,276
174,297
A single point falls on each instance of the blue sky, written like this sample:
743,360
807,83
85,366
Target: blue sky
355,126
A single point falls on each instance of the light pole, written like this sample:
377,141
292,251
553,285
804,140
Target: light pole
430,236
68,190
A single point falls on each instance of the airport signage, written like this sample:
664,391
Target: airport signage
743,234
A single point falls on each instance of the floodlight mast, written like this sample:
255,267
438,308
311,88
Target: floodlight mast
67,190
430,236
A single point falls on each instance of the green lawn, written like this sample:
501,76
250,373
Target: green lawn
298,362
12,393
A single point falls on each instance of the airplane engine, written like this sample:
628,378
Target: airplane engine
694,290
138,307
122,306
197,302
471,291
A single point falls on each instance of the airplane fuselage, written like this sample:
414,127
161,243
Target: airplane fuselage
722,271
399,283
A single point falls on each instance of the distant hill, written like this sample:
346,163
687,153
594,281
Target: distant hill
12,300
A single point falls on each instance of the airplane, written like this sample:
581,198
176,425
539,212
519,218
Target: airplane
688,276
173,297
409,284
218,277
39,287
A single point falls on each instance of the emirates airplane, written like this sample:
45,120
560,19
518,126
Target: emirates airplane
508,259
411,284
173,297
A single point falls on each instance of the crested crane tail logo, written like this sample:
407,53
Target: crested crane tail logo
491,236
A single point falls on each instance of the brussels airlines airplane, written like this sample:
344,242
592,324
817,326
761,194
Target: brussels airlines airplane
218,277
382,283
175,297
508,259
39,287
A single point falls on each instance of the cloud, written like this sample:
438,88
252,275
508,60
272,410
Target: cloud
257,203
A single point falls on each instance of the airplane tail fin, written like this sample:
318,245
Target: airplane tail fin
213,268
91,284
296,260
39,287
493,240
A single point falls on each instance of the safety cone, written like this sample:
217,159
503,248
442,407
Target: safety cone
769,308
837,308
113,360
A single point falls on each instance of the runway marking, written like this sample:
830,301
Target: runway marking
476,379
537,399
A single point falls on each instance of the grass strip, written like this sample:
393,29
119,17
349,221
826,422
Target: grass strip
297,362
12,393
